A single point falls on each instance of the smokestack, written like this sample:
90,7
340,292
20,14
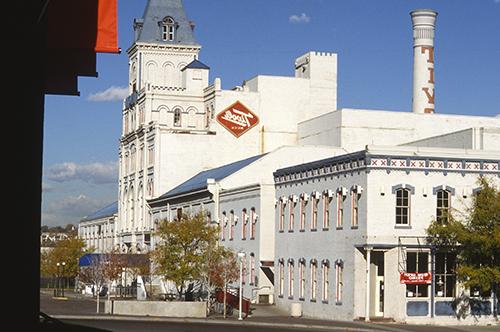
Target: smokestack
423,21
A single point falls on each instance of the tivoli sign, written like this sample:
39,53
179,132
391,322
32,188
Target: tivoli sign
237,119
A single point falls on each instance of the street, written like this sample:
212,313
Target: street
81,310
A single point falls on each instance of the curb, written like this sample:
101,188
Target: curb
220,322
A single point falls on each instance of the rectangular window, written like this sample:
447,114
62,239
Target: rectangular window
445,276
354,205
223,227
281,215
252,269
244,222
326,211
339,282
302,280
291,214
281,274
402,207
417,262
231,225
302,213
244,270
443,206
314,216
290,280
253,218
325,282
314,281
340,209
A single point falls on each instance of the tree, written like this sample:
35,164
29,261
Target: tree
222,270
68,251
181,255
94,273
475,239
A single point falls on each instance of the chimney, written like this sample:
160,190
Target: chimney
423,21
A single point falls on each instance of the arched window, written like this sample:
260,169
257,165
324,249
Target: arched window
177,117
168,29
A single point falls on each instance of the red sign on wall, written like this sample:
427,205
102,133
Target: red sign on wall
237,118
415,278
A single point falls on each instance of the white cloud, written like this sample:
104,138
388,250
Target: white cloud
114,93
302,18
98,173
70,209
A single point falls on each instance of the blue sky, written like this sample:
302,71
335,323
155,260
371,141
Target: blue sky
243,38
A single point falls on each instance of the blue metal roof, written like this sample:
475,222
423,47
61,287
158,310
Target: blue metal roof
150,27
195,64
199,181
106,211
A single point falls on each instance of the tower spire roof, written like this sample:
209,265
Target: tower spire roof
165,22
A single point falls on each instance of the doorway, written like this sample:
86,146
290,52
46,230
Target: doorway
377,284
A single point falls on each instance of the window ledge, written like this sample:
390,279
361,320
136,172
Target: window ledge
338,303
290,297
326,228
402,226
339,228
302,230
290,231
324,301
280,296
313,300
354,227
301,299
281,231
313,230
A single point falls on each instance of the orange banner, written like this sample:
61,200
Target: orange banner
107,27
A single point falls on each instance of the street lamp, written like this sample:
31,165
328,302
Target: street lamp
56,290
241,255
63,272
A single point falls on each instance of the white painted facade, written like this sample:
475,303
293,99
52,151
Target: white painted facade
99,233
169,119
242,206
369,236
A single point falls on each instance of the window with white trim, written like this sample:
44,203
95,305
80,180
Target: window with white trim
314,212
354,207
340,209
291,214
303,203
244,222
314,280
326,210
302,279
252,269
403,206
443,206
325,267
290,279
281,275
231,225
281,215
417,262
168,29
339,282
253,225
445,275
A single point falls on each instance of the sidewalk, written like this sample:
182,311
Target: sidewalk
79,307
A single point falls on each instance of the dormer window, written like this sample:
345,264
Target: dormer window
168,29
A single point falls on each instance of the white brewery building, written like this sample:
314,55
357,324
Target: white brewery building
329,205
